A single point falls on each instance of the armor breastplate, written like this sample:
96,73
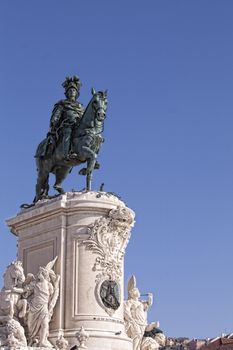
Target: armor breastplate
71,116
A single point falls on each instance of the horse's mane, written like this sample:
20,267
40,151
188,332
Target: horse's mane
8,280
101,94
87,108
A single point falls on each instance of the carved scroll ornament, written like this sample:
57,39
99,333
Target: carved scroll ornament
108,239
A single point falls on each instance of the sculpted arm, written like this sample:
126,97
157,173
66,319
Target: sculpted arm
149,302
56,115
17,290
54,293
82,109
150,299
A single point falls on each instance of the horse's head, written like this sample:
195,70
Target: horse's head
14,275
99,104
94,115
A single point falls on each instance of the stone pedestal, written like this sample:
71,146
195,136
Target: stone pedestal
89,233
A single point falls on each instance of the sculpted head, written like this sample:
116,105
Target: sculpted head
72,86
14,275
71,94
134,293
99,104
43,274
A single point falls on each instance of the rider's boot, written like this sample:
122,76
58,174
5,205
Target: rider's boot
66,148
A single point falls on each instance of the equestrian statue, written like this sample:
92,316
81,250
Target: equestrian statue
74,137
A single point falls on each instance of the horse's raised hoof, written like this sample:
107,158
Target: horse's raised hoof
59,189
83,171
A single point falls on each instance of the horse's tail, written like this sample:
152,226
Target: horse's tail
45,147
41,149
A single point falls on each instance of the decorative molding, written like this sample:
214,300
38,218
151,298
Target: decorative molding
110,311
38,248
108,238
82,337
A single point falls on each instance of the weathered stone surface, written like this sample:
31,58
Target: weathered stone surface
145,336
64,227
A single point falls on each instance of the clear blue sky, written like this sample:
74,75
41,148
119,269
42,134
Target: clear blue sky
168,66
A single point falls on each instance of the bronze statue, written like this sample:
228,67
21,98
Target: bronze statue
66,113
74,137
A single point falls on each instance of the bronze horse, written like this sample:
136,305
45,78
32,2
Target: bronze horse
86,141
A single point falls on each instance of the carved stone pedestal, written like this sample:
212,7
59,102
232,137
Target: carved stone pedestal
89,233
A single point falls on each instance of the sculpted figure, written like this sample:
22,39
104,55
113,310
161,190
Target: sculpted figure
11,302
12,334
41,305
12,306
74,138
145,337
28,286
65,115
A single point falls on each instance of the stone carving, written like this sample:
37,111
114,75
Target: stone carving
74,138
108,239
145,337
12,334
45,291
27,304
11,301
14,329
82,337
61,343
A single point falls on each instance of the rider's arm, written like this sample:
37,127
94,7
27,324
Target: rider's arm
56,115
81,109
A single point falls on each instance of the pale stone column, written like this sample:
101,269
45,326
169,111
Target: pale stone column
89,233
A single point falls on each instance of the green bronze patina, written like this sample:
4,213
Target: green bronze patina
110,294
75,137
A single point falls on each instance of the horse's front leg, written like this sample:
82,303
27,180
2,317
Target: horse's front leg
42,185
91,160
11,308
89,175
60,175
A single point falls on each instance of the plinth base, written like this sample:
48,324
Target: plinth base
88,232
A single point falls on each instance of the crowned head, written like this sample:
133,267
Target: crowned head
72,87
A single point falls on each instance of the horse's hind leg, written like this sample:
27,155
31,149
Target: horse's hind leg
42,186
60,174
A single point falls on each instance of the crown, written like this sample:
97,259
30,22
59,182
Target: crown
72,82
